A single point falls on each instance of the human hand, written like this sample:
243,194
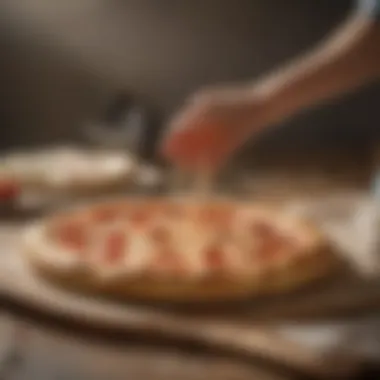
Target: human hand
212,125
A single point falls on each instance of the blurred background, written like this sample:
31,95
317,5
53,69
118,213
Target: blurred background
63,61
68,65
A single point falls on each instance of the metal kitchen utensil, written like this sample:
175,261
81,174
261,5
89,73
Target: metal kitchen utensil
126,124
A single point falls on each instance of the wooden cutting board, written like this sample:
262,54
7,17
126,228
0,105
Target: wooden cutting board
249,329
247,338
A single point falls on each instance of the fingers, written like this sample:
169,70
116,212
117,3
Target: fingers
183,141
179,148
206,131
191,148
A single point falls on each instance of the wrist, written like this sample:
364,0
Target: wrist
263,110
275,104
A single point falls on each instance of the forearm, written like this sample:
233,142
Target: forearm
351,58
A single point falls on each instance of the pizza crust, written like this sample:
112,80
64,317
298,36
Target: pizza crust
316,261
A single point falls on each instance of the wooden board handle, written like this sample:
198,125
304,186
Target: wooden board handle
263,343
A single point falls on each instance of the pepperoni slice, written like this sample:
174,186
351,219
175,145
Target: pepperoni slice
263,229
168,261
270,247
160,235
72,234
115,246
105,214
140,216
174,211
218,216
214,257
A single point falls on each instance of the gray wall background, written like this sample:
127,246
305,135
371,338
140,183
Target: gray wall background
61,60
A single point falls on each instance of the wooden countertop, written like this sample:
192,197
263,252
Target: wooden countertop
30,351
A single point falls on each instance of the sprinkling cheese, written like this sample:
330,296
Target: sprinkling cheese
176,239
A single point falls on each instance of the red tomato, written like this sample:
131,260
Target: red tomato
9,189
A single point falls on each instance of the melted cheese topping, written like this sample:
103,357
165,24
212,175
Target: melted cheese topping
168,239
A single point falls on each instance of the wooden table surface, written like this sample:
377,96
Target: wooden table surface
29,350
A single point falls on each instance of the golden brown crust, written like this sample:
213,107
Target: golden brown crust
317,262
275,282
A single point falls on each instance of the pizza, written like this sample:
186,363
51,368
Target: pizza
178,249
